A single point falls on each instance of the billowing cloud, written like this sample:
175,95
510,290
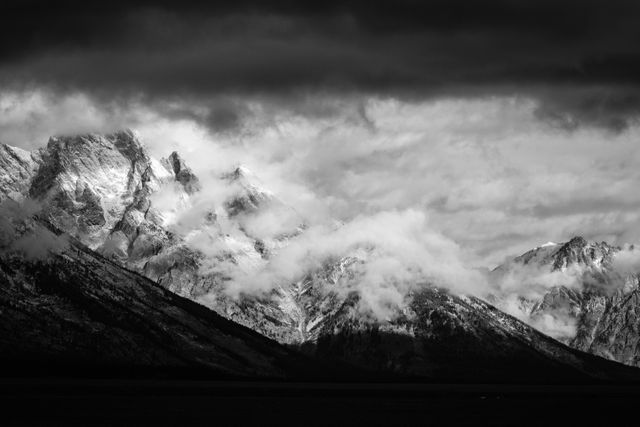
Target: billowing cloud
21,234
533,281
627,260
558,323
399,252
491,176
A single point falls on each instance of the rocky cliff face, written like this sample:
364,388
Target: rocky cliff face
97,188
598,302
94,187
100,189
17,169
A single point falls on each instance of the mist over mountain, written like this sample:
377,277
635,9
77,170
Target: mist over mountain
580,292
319,213
368,293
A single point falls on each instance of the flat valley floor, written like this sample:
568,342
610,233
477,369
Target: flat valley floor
57,402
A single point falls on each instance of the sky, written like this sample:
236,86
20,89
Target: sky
501,125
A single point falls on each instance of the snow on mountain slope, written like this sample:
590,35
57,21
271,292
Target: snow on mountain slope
253,194
70,307
574,292
446,337
17,169
100,189
107,192
96,187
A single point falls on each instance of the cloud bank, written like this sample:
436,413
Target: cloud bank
426,191
491,175
399,251
577,59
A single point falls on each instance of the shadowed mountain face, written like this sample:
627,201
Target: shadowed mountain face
457,338
68,307
99,189
588,294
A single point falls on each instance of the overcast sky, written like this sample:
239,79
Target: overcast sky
506,123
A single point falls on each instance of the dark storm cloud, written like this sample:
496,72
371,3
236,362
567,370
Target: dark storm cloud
580,58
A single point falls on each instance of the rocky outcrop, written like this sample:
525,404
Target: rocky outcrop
602,306
182,173
17,170
96,187
252,195
99,188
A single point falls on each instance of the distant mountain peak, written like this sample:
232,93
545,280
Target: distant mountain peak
242,171
245,177
580,251
576,241
183,174
126,142
253,193
558,256
125,137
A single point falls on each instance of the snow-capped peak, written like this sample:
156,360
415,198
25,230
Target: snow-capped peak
243,171
249,181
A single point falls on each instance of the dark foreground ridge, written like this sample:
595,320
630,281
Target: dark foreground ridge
76,313
84,312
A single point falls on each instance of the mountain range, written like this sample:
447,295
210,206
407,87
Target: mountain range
101,266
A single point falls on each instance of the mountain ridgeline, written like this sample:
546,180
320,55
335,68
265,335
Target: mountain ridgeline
600,302
125,288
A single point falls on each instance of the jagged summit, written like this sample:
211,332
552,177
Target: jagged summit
125,134
125,141
176,163
580,251
183,173
247,179
94,186
252,195
576,251
586,302
241,171
577,241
